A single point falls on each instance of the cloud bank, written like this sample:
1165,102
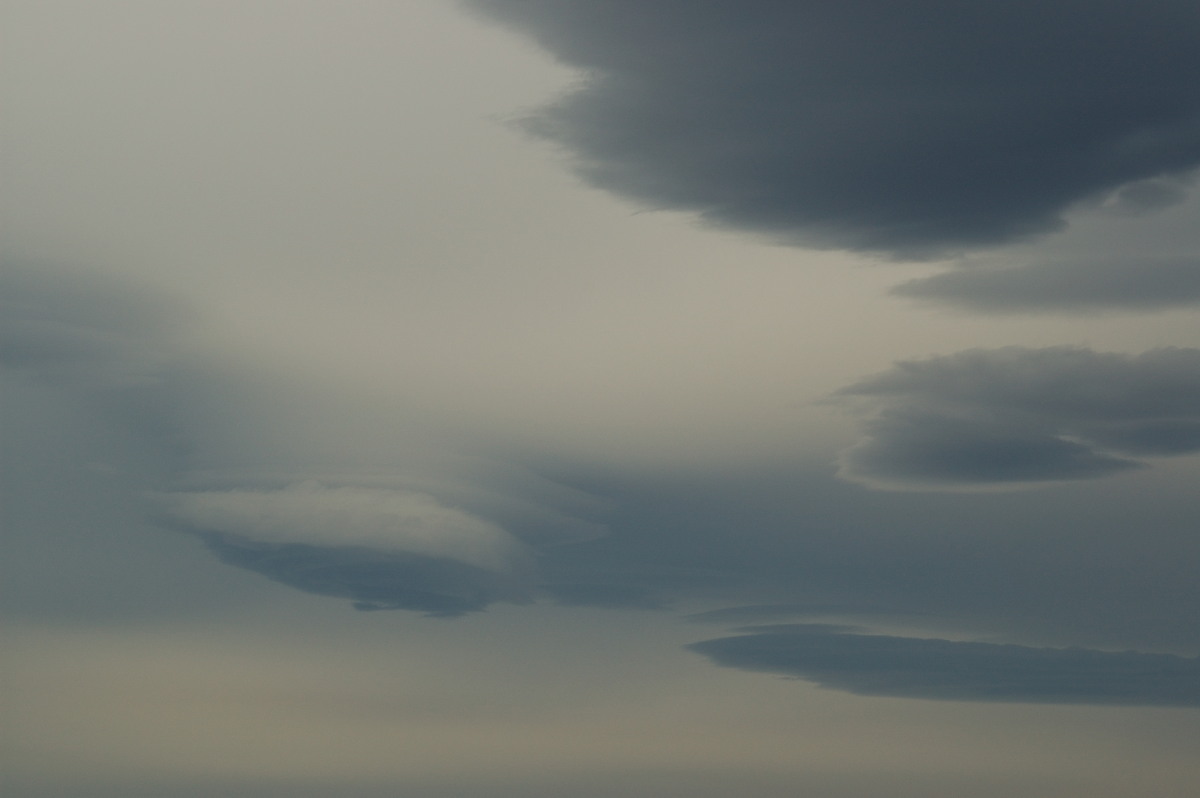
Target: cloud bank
909,129
907,667
1013,415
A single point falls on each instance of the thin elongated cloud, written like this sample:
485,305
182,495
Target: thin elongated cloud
909,667
1012,415
1091,284
910,129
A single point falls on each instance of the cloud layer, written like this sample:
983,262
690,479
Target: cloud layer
907,667
910,129
1011,415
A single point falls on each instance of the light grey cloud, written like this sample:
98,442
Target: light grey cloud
388,520
908,667
1017,415
424,531
107,342
84,330
910,129
1152,194
777,533
1080,285
89,379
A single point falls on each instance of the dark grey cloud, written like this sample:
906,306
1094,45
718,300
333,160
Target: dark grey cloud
1011,415
908,667
373,579
1095,563
1083,285
910,129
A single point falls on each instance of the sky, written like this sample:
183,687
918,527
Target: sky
552,397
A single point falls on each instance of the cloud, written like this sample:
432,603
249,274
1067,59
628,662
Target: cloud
173,432
82,331
309,512
374,579
382,548
908,667
910,129
1013,415
1122,283
766,612
1153,194
611,596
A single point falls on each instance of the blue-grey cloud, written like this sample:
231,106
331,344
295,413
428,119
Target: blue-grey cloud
1017,415
605,594
1112,566
384,549
82,330
774,612
373,579
909,128
908,667
1082,285
428,534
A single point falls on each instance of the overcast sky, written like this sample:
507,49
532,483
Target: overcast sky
564,397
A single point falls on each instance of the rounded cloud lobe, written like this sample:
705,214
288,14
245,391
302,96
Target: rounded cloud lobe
907,129
1016,415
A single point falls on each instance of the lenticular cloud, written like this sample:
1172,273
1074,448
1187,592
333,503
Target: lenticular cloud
384,549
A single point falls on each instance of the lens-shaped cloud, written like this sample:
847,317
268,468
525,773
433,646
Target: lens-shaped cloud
384,549
909,667
1013,415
